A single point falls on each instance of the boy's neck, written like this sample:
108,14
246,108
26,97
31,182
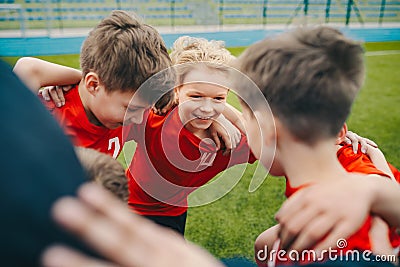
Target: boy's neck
305,164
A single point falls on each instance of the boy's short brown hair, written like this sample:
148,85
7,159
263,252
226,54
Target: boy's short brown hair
104,170
309,77
124,52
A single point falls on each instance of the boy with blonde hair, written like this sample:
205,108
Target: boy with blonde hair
119,54
174,155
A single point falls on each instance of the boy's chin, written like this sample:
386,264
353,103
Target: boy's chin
202,125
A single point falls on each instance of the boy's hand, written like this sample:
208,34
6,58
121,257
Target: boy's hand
327,211
355,139
55,93
165,103
224,129
119,235
378,234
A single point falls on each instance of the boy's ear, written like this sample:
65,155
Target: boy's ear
342,135
92,82
267,126
176,92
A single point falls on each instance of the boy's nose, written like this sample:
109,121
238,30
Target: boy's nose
135,118
206,106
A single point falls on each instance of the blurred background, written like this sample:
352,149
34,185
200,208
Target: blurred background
58,15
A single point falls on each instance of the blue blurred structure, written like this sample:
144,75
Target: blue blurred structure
48,27
60,14
29,46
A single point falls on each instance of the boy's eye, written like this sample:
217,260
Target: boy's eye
220,98
132,109
195,96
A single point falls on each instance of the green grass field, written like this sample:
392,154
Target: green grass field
229,226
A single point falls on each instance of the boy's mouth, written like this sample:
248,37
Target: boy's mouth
204,117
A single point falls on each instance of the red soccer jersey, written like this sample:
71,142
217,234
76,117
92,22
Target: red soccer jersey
360,163
72,117
170,162
358,241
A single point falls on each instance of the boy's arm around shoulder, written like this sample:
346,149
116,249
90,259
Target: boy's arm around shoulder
36,73
234,116
379,160
229,127
385,201
331,211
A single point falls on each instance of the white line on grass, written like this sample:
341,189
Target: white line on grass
382,53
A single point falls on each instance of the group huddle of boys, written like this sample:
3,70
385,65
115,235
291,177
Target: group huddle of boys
323,71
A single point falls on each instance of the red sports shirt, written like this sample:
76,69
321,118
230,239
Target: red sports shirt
360,163
72,117
358,241
170,162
